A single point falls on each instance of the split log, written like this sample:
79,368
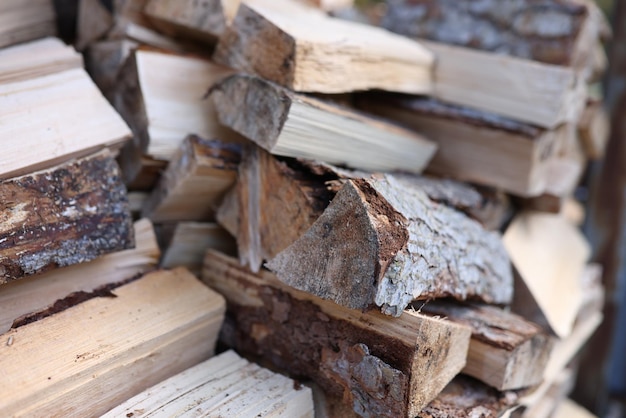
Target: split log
36,59
383,242
570,409
37,293
593,128
22,21
295,125
195,181
103,61
54,370
556,393
30,109
506,351
549,255
384,367
475,146
226,385
303,49
331,5
205,21
62,216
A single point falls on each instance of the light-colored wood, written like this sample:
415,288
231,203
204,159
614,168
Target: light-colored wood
36,59
252,391
594,129
570,409
506,352
383,367
331,5
190,241
543,402
65,215
294,125
136,201
93,21
194,183
303,49
22,21
38,292
135,340
55,118
528,91
382,241
550,255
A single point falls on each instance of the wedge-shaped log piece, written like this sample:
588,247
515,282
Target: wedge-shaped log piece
252,391
476,146
528,91
295,125
204,20
39,292
63,216
506,351
381,241
303,49
143,331
36,59
22,21
384,367
550,254
195,181
47,120
103,61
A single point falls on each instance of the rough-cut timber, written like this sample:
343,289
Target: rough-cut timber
223,386
204,20
62,216
383,367
303,49
36,293
138,336
195,181
22,21
383,242
473,145
544,31
295,125
506,351
593,128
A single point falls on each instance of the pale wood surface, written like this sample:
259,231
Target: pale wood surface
225,385
87,359
22,21
594,129
570,409
384,366
295,125
38,292
303,49
55,117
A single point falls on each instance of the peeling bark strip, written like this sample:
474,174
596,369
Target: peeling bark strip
381,241
506,351
384,367
303,49
66,215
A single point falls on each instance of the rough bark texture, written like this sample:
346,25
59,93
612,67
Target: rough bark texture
380,241
66,215
383,367
540,30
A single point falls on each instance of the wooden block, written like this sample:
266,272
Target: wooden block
226,385
382,241
103,61
62,216
528,91
303,49
56,117
506,351
144,332
204,21
37,58
476,146
22,21
570,409
594,129
557,392
550,254
189,243
383,367
294,125
37,293
331,5
194,183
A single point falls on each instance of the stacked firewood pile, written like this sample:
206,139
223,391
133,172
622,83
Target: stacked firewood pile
376,205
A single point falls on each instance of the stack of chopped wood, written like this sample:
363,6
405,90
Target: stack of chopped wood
389,217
